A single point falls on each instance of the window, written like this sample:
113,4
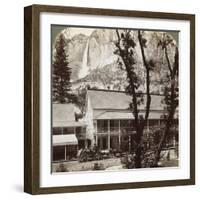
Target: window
153,122
57,131
61,153
84,130
58,153
68,130
127,125
78,130
114,142
71,151
105,142
60,130
114,125
102,126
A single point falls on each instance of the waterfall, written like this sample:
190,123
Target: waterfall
84,67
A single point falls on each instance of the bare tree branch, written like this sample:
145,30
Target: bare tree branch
148,102
168,61
118,36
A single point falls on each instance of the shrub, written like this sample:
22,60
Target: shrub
61,168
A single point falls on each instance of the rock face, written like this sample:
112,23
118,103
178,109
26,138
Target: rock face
101,48
92,59
87,53
75,50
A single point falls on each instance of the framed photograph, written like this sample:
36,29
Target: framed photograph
109,99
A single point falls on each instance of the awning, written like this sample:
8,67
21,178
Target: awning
60,140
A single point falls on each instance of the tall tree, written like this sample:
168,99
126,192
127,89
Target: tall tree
171,87
61,72
126,50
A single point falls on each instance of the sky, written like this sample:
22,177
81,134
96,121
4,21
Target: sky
76,30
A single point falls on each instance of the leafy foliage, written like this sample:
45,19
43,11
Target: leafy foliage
148,147
171,90
126,51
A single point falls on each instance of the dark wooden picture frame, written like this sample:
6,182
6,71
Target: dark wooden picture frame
32,95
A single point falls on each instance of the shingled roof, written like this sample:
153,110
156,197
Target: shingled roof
64,115
110,99
108,104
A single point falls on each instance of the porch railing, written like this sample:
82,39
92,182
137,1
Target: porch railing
115,129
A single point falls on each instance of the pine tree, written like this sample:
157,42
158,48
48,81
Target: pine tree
61,73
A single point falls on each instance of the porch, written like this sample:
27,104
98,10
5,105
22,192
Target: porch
118,134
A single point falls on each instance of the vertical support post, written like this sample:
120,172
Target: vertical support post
108,134
129,143
95,122
119,136
65,153
159,123
174,141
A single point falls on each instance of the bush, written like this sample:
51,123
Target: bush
148,160
128,161
61,168
98,166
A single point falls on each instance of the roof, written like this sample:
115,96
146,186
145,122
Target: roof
68,124
114,115
63,115
60,140
109,99
124,115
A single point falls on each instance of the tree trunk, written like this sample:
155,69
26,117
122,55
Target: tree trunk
139,125
170,118
172,107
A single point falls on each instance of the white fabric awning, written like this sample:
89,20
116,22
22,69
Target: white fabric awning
60,140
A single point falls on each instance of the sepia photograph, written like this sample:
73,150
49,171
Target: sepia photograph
114,98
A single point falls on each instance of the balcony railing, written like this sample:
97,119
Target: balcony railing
115,129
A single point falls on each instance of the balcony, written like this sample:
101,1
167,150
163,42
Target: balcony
115,130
